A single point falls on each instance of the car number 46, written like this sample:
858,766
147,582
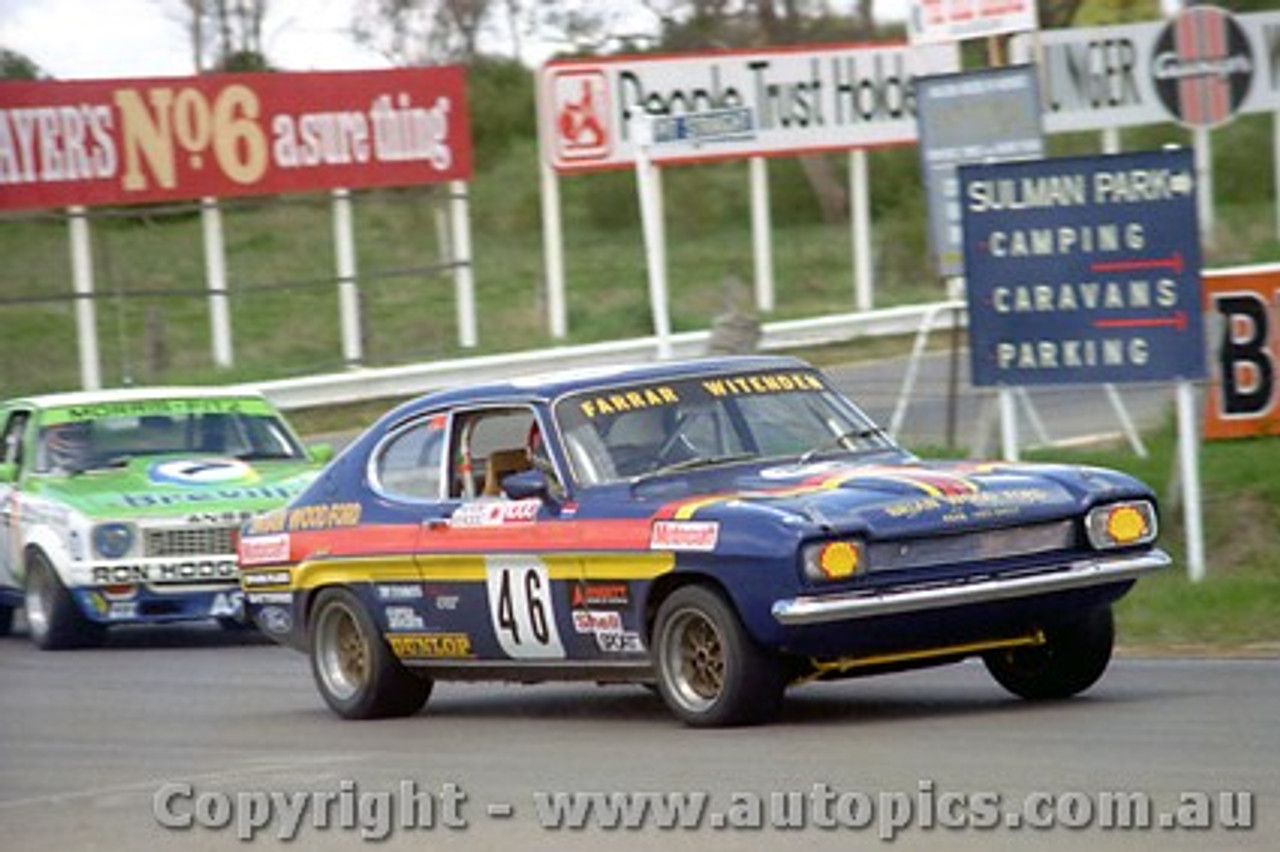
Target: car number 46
522,608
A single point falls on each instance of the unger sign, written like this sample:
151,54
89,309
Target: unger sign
126,141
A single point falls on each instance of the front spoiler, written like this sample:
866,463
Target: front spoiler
819,609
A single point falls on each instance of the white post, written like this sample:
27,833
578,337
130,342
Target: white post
553,251
651,224
464,279
1275,165
1204,183
761,228
348,294
860,218
215,274
1189,466
1008,424
1111,140
82,281
1126,422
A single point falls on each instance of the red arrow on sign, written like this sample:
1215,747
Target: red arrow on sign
1178,321
1173,262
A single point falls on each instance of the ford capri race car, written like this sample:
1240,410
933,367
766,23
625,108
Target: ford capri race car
725,528
125,506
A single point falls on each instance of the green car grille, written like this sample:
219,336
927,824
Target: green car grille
190,541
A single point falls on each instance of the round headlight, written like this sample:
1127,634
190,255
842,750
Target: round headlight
833,560
111,541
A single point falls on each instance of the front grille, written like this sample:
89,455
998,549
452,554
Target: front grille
966,548
190,541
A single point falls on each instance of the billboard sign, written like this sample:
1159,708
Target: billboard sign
991,115
1200,68
223,135
1083,270
796,100
1243,310
940,21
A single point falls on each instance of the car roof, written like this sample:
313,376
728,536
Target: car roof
547,387
133,394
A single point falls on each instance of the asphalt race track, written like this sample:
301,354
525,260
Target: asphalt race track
222,734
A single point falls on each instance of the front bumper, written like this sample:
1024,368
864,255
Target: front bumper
821,609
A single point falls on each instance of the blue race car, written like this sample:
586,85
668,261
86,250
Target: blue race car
724,528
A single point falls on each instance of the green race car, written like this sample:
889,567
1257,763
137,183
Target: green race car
124,506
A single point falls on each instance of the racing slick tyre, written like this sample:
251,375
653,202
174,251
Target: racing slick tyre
710,672
1072,658
53,619
354,669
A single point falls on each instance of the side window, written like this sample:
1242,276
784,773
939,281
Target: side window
410,464
489,444
13,431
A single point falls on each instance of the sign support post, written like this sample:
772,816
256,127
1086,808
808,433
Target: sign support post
1189,469
86,314
651,223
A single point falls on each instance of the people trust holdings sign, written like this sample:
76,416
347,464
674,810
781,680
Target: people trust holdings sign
1083,270
832,97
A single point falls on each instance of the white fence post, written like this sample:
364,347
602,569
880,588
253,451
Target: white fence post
344,244
215,273
86,313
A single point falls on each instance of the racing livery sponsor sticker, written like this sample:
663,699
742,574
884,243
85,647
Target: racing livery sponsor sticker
600,594
201,471
430,645
495,513
685,535
264,550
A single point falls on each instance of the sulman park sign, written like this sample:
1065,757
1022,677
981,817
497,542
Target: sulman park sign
1083,270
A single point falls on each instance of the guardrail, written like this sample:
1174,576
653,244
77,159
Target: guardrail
361,384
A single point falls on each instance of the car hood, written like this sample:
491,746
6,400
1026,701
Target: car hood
165,485
897,499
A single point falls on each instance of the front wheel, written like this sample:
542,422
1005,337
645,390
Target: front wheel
710,672
1072,658
354,669
53,619
6,619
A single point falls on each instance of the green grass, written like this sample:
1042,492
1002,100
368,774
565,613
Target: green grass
1238,601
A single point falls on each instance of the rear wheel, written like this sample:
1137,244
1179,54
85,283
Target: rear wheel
709,670
53,619
1072,658
354,669
6,619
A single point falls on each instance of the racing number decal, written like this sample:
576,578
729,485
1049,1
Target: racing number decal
521,607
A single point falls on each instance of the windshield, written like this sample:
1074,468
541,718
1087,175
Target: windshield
640,430
87,437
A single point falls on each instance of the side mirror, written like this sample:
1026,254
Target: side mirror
527,483
8,472
320,453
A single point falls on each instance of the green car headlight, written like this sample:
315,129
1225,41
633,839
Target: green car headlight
112,541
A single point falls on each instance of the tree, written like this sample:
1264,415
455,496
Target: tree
18,66
226,35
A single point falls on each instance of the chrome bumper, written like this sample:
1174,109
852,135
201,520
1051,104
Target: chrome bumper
816,609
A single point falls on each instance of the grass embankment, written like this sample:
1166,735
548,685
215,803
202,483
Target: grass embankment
1237,605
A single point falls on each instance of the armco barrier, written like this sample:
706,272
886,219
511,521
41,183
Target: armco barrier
362,384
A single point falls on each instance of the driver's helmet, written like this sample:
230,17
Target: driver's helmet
67,445
536,449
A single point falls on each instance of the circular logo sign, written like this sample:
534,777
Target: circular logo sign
1203,66
200,471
